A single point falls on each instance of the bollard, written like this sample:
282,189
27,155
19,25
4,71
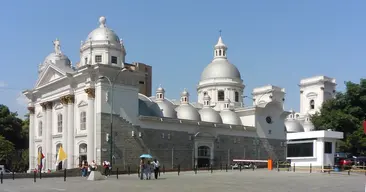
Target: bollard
221,166
138,172
310,167
35,176
278,167
117,173
240,168
288,167
13,175
211,168
129,170
253,165
178,169
64,174
294,167
226,167
349,171
1,177
40,174
163,169
195,169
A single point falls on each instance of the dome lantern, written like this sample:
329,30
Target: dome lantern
160,93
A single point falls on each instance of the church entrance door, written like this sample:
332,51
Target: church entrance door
204,155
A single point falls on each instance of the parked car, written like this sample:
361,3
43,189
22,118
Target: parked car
343,163
360,161
3,170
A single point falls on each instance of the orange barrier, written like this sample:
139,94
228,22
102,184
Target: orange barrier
270,164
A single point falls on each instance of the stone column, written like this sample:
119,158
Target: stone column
90,124
44,133
49,152
64,102
32,156
70,131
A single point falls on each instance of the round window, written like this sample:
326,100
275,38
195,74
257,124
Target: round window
268,119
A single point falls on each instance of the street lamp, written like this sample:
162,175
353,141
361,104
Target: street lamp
111,85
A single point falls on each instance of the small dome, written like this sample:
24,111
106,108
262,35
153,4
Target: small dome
187,111
220,68
230,117
308,125
210,115
167,108
103,33
293,125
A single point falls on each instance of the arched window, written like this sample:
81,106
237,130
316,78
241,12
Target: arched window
57,148
203,151
220,52
40,129
59,123
221,95
312,104
83,120
83,149
236,96
223,53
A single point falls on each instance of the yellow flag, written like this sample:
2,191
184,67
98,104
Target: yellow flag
61,154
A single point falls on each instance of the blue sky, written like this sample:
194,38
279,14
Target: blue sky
271,42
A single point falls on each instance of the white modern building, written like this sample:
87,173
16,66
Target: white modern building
314,149
76,107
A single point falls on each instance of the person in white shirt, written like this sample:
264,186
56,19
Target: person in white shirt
156,168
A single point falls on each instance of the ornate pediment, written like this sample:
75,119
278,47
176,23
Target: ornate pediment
82,103
50,74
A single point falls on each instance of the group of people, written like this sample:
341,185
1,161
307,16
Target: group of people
87,168
147,167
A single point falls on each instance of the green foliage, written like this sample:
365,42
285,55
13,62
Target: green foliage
11,127
6,149
345,113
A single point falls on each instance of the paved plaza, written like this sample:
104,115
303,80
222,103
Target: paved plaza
219,181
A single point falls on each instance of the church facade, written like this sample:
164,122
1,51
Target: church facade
97,110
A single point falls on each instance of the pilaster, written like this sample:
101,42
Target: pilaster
48,128
90,124
65,117
32,157
70,131
44,133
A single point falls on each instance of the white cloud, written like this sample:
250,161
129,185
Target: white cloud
3,84
22,100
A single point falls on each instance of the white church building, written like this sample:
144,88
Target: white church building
95,112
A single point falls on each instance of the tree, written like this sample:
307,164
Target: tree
345,113
6,149
11,127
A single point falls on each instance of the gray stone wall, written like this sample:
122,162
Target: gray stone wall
228,148
173,148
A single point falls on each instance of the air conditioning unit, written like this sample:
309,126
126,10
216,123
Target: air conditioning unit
140,134
133,133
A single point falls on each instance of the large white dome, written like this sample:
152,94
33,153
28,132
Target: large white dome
220,68
103,33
